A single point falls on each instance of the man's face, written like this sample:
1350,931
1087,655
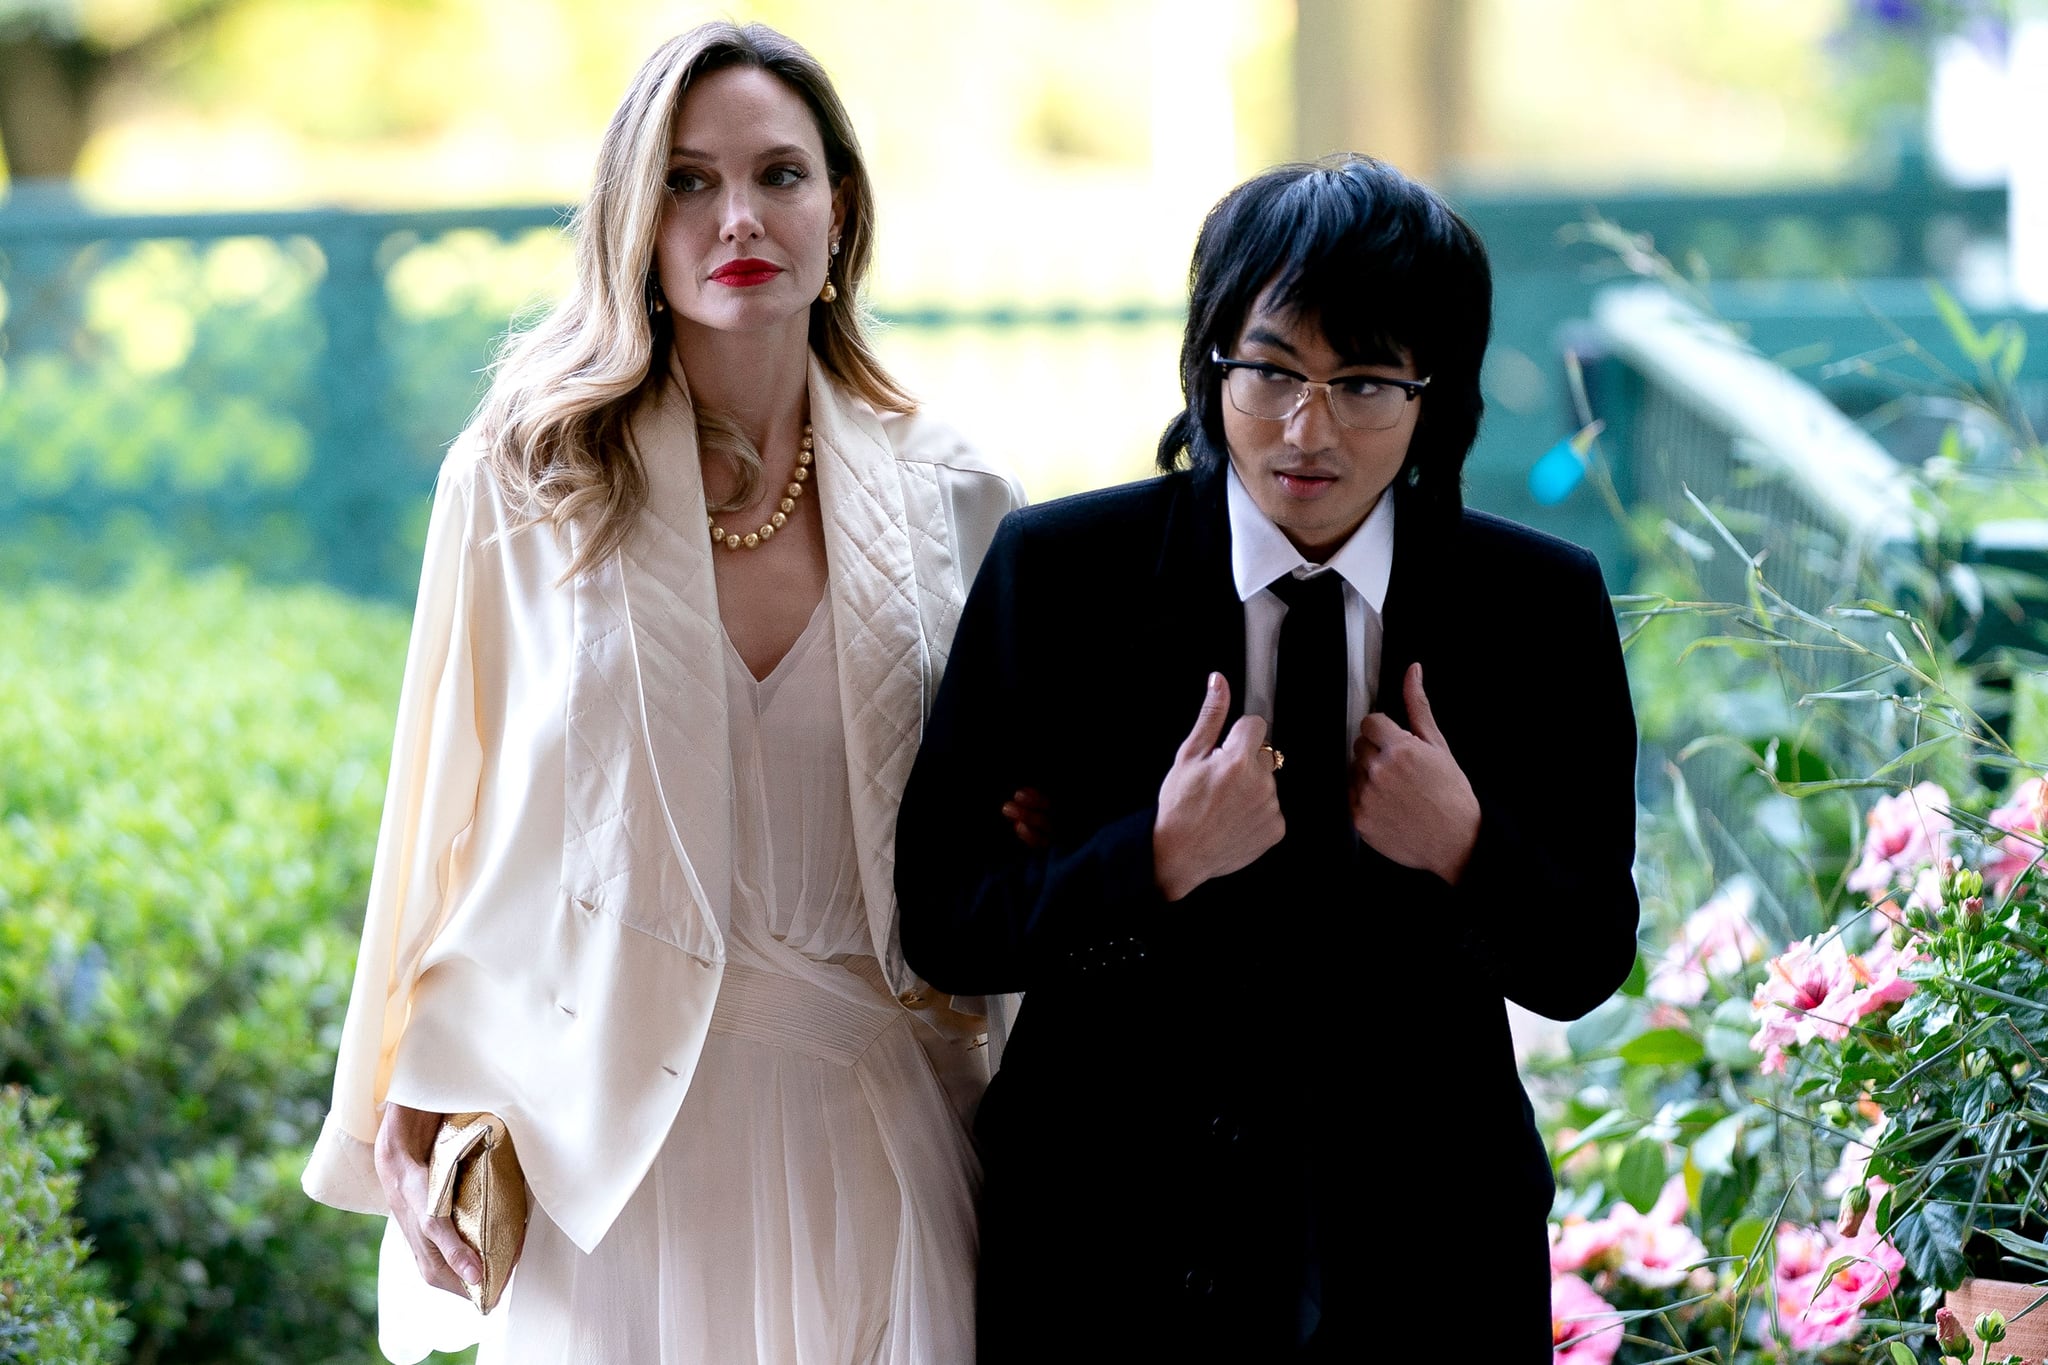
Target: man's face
1313,476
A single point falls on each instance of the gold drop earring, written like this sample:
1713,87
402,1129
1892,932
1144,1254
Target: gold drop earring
830,291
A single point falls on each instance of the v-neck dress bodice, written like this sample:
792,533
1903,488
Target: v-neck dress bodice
814,1202
796,884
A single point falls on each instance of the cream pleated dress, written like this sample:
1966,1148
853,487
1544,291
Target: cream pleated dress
814,1203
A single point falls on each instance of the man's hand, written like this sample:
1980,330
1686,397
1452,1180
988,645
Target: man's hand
1409,798
1218,808
404,1138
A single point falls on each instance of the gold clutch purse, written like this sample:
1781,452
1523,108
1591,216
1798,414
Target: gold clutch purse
473,1177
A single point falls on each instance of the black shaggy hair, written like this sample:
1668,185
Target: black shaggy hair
1382,264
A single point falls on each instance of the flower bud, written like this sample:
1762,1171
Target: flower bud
1855,1203
1949,1334
1969,883
1972,916
1990,1328
1917,917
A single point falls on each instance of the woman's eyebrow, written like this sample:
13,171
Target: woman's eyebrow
780,149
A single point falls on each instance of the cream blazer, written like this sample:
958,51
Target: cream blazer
545,932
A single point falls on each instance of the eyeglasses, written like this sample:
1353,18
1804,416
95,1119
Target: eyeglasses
1273,393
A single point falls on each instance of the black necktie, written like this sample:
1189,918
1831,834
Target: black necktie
1309,721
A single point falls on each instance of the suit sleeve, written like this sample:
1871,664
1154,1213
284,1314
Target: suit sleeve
1549,898
982,914
430,798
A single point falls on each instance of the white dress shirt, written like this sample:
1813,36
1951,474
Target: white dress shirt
1260,552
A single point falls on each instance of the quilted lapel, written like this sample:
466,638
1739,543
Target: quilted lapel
648,762
883,658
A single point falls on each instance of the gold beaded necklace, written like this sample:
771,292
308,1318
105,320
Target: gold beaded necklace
790,493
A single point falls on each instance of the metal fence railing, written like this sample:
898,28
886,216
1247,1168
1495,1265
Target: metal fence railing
275,389
1833,514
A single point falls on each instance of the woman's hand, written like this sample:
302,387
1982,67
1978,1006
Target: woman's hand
1031,817
405,1138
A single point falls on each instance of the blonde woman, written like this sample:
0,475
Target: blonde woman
688,590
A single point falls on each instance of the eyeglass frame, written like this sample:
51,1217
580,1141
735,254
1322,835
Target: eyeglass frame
1412,388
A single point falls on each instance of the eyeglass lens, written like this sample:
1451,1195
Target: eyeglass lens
1273,396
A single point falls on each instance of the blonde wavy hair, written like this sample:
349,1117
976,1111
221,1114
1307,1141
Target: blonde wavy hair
554,422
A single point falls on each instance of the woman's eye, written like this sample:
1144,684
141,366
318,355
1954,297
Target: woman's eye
1266,374
783,176
1362,386
684,182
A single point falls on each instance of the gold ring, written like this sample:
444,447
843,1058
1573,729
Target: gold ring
1279,759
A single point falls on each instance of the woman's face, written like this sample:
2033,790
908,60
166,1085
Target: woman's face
745,239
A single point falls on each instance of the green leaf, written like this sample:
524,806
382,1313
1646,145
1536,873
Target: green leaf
1714,1150
2013,355
1640,1177
1920,752
1728,1035
1612,1122
2012,1241
1930,1237
1663,1047
1723,1197
1882,1214
1973,344
1745,1235
1902,1354
1638,978
1605,1026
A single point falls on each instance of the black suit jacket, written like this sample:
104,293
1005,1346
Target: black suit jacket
1205,1108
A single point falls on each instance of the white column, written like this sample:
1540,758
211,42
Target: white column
1194,124
2029,182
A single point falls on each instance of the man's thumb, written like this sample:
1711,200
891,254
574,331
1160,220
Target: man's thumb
1201,740
1421,720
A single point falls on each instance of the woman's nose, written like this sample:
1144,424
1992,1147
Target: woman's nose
740,220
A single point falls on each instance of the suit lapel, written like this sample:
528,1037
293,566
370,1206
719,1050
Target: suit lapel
648,766
1411,616
883,655
1203,617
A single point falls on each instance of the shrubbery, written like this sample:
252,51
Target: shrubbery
190,778
53,1305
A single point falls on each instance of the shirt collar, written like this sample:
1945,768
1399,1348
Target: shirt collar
1260,551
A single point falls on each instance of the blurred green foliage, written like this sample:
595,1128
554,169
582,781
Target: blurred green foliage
226,401
190,776
53,1304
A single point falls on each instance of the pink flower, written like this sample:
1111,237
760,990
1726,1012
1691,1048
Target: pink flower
1671,1202
1659,1255
1657,1248
2025,818
1877,973
1854,1168
1818,1309
1805,996
1579,1244
1716,943
1577,1316
1906,831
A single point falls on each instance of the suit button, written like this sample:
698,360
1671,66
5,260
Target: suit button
1199,1284
914,999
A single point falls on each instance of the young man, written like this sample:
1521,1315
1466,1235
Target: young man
1330,766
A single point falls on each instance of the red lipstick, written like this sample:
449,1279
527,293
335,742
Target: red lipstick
746,272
